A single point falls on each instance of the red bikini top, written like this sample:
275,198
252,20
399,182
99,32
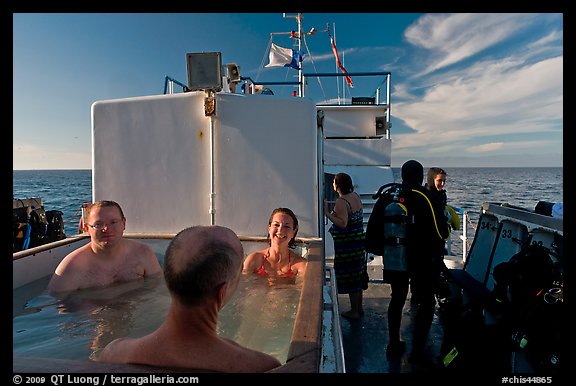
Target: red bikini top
288,274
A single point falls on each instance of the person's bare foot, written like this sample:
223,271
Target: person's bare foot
351,315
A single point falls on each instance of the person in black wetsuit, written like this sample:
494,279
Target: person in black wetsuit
426,232
435,183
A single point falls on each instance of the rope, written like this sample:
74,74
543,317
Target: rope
470,221
75,215
314,65
264,58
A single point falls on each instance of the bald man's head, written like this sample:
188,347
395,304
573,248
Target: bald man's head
201,258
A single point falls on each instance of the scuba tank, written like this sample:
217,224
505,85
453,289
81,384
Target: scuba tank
395,220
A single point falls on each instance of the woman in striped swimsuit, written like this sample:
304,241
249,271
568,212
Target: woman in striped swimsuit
347,230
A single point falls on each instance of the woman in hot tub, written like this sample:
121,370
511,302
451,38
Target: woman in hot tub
278,260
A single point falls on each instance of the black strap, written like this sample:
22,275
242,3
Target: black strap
349,205
376,195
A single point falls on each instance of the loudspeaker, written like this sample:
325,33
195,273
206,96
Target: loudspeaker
381,126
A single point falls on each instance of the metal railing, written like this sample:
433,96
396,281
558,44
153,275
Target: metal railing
332,357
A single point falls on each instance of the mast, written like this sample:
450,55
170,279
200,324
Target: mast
299,18
300,65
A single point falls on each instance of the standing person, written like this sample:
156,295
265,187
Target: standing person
202,269
277,260
436,183
422,244
108,258
347,230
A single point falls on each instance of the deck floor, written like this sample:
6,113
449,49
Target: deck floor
365,340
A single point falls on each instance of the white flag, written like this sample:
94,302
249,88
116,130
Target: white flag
282,57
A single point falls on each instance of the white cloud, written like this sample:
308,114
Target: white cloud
495,105
454,37
488,147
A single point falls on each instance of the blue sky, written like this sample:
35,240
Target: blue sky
467,89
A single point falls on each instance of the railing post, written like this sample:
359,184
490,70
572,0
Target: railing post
464,237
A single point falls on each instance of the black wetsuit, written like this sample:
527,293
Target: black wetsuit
426,231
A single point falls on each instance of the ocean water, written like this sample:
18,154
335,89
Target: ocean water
467,188
64,190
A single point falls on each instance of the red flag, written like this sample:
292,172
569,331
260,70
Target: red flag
340,66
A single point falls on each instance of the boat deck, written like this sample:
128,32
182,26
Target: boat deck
365,340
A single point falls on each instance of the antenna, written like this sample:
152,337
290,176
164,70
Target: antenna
298,36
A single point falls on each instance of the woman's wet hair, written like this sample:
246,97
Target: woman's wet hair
344,183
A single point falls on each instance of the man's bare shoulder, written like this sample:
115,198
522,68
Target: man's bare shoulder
72,270
260,361
137,246
117,351
249,360
77,256
144,254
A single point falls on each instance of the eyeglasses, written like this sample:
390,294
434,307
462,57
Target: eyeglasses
98,226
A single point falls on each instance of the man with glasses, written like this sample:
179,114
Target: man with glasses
108,258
